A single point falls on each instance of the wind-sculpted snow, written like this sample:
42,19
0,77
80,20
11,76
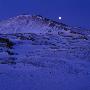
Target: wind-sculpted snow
40,54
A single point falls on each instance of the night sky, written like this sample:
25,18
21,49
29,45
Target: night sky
73,12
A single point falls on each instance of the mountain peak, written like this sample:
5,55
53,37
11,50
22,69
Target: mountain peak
35,24
28,23
41,19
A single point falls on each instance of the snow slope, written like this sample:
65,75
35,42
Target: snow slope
37,53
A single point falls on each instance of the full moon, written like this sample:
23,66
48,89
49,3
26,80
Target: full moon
60,18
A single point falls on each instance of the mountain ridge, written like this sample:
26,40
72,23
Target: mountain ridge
38,24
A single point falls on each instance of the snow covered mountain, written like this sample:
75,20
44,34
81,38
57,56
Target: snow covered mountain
37,53
29,24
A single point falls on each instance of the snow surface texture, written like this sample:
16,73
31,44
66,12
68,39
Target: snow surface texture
37,53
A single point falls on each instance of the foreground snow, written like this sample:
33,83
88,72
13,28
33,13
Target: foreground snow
29,77
45,63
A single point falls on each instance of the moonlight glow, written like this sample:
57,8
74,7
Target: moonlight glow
60,18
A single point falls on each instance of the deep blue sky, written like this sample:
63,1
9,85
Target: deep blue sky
73,12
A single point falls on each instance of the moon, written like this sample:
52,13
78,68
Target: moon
60,18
